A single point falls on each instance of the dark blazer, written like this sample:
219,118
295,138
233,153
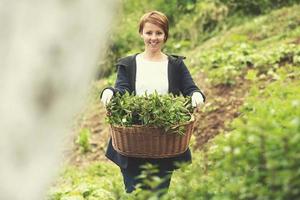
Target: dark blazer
180,82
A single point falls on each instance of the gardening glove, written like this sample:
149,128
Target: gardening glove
197,99
106,96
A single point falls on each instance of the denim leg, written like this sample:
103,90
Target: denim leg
164,185
130,180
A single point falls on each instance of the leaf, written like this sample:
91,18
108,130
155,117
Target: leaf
149,110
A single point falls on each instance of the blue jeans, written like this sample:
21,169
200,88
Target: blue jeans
131,179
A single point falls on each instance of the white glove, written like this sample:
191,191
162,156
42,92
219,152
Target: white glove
106,96
197,99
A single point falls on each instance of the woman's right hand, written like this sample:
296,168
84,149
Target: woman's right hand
197,99
106,96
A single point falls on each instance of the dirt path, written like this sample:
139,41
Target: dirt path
94,119
221,107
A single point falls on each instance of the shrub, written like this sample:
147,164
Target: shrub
83,140
255,7
258,159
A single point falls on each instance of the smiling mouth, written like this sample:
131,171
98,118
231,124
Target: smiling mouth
153,44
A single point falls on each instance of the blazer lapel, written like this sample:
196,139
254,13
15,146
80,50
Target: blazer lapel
171,76
133,73
130,64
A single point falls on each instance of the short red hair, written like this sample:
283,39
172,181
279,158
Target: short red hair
157,18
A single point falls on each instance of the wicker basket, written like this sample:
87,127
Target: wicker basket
150,142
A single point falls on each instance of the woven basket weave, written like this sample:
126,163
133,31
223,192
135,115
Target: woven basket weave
150,142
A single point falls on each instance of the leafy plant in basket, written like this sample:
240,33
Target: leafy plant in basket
164,111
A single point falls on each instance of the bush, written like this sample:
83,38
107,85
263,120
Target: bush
197,25
83,140
255,7
258,159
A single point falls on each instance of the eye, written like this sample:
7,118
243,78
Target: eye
159,33
148,32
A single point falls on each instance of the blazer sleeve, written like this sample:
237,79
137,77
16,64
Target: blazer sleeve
187,86
122,83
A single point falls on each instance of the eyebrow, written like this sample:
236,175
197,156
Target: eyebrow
154,31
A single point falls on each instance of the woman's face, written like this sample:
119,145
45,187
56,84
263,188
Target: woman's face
153,37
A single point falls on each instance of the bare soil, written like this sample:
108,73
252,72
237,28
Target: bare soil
221,107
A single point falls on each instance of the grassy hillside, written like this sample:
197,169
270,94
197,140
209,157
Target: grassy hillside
246,143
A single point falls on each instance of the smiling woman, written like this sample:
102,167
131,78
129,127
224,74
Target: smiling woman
154,29
136,76
154,37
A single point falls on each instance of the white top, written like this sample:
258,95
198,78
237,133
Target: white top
151,76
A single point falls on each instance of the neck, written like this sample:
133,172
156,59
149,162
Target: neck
155,56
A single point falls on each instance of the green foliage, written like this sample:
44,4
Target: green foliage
255,7
191,22
83,139
196,26
96,181
165,111
148,188
259,158
225,63
259,44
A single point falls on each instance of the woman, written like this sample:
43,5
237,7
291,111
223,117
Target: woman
146,72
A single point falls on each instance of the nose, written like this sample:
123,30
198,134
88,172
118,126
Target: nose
153,36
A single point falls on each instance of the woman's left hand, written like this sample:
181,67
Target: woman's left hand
197,99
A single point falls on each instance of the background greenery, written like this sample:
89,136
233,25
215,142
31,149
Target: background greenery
191,22
229,41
